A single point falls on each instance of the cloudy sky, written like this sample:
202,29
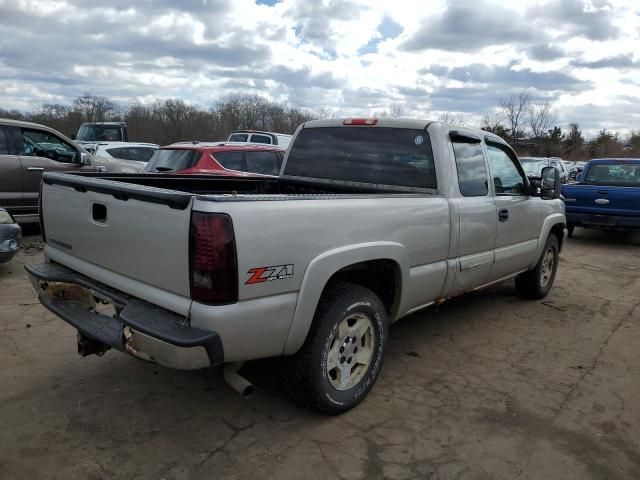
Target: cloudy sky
352,57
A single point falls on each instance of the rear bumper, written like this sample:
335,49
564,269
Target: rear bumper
602,221
137,327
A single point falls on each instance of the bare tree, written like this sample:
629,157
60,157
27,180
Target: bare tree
514,109
541,117
92,108
395,110
447,118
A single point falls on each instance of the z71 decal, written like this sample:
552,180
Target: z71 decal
268,274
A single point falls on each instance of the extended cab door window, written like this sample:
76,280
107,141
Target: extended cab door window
507,179
471,166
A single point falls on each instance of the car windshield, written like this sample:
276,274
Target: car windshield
167,160
375,155
533,166
618,174
100,133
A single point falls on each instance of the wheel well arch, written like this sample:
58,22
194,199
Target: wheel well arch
558,231
382,276
382,261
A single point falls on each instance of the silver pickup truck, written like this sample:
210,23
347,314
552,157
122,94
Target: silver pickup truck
369,221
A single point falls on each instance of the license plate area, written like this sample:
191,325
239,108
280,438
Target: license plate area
60,291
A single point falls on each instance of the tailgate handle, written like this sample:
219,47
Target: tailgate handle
99,213
603,192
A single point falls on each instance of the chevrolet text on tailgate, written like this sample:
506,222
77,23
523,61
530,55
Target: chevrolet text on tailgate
369,221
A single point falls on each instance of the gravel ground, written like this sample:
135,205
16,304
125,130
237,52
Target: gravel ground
486,386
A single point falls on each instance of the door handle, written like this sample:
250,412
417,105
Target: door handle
503,215
35,169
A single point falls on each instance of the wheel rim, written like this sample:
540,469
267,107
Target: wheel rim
548,262
350,351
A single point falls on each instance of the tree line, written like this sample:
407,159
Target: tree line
529,126
170,120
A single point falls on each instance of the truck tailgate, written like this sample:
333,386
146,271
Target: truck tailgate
138,233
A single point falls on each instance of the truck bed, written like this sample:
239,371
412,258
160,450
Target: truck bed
177,190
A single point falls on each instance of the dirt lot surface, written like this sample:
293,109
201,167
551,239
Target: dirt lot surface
487,386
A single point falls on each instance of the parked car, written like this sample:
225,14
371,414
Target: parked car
576,169
533,166
29,149
220,158
607,195
10,235
102,132
370,220
137,154
256,136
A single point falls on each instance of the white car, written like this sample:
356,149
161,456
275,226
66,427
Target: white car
136,154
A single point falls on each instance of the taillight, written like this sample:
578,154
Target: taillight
360,121
214,272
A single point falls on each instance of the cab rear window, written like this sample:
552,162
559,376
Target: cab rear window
373,155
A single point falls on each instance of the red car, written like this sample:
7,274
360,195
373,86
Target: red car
220,158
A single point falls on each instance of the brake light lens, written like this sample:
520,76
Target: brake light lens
360,121
214,271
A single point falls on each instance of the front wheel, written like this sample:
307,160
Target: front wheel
342,356
570,229
536,283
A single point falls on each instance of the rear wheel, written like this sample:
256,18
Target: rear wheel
342,356
536,283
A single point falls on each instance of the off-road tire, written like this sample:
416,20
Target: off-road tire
532,284
305,377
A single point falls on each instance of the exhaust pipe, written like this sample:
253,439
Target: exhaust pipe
236,381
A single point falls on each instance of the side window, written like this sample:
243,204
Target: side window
40,143
263,162
506,176
4,141
472,170
229,160
238,137
260,139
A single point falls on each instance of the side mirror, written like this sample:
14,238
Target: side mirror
85,159
550,183
73,136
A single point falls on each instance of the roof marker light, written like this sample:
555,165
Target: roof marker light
360,121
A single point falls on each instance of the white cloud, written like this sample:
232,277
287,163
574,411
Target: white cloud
445,55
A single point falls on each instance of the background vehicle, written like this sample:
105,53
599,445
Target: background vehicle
369,221
29,149
256,136
102,132
221,158
606,196
576,169
136,154
10,235
534,165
